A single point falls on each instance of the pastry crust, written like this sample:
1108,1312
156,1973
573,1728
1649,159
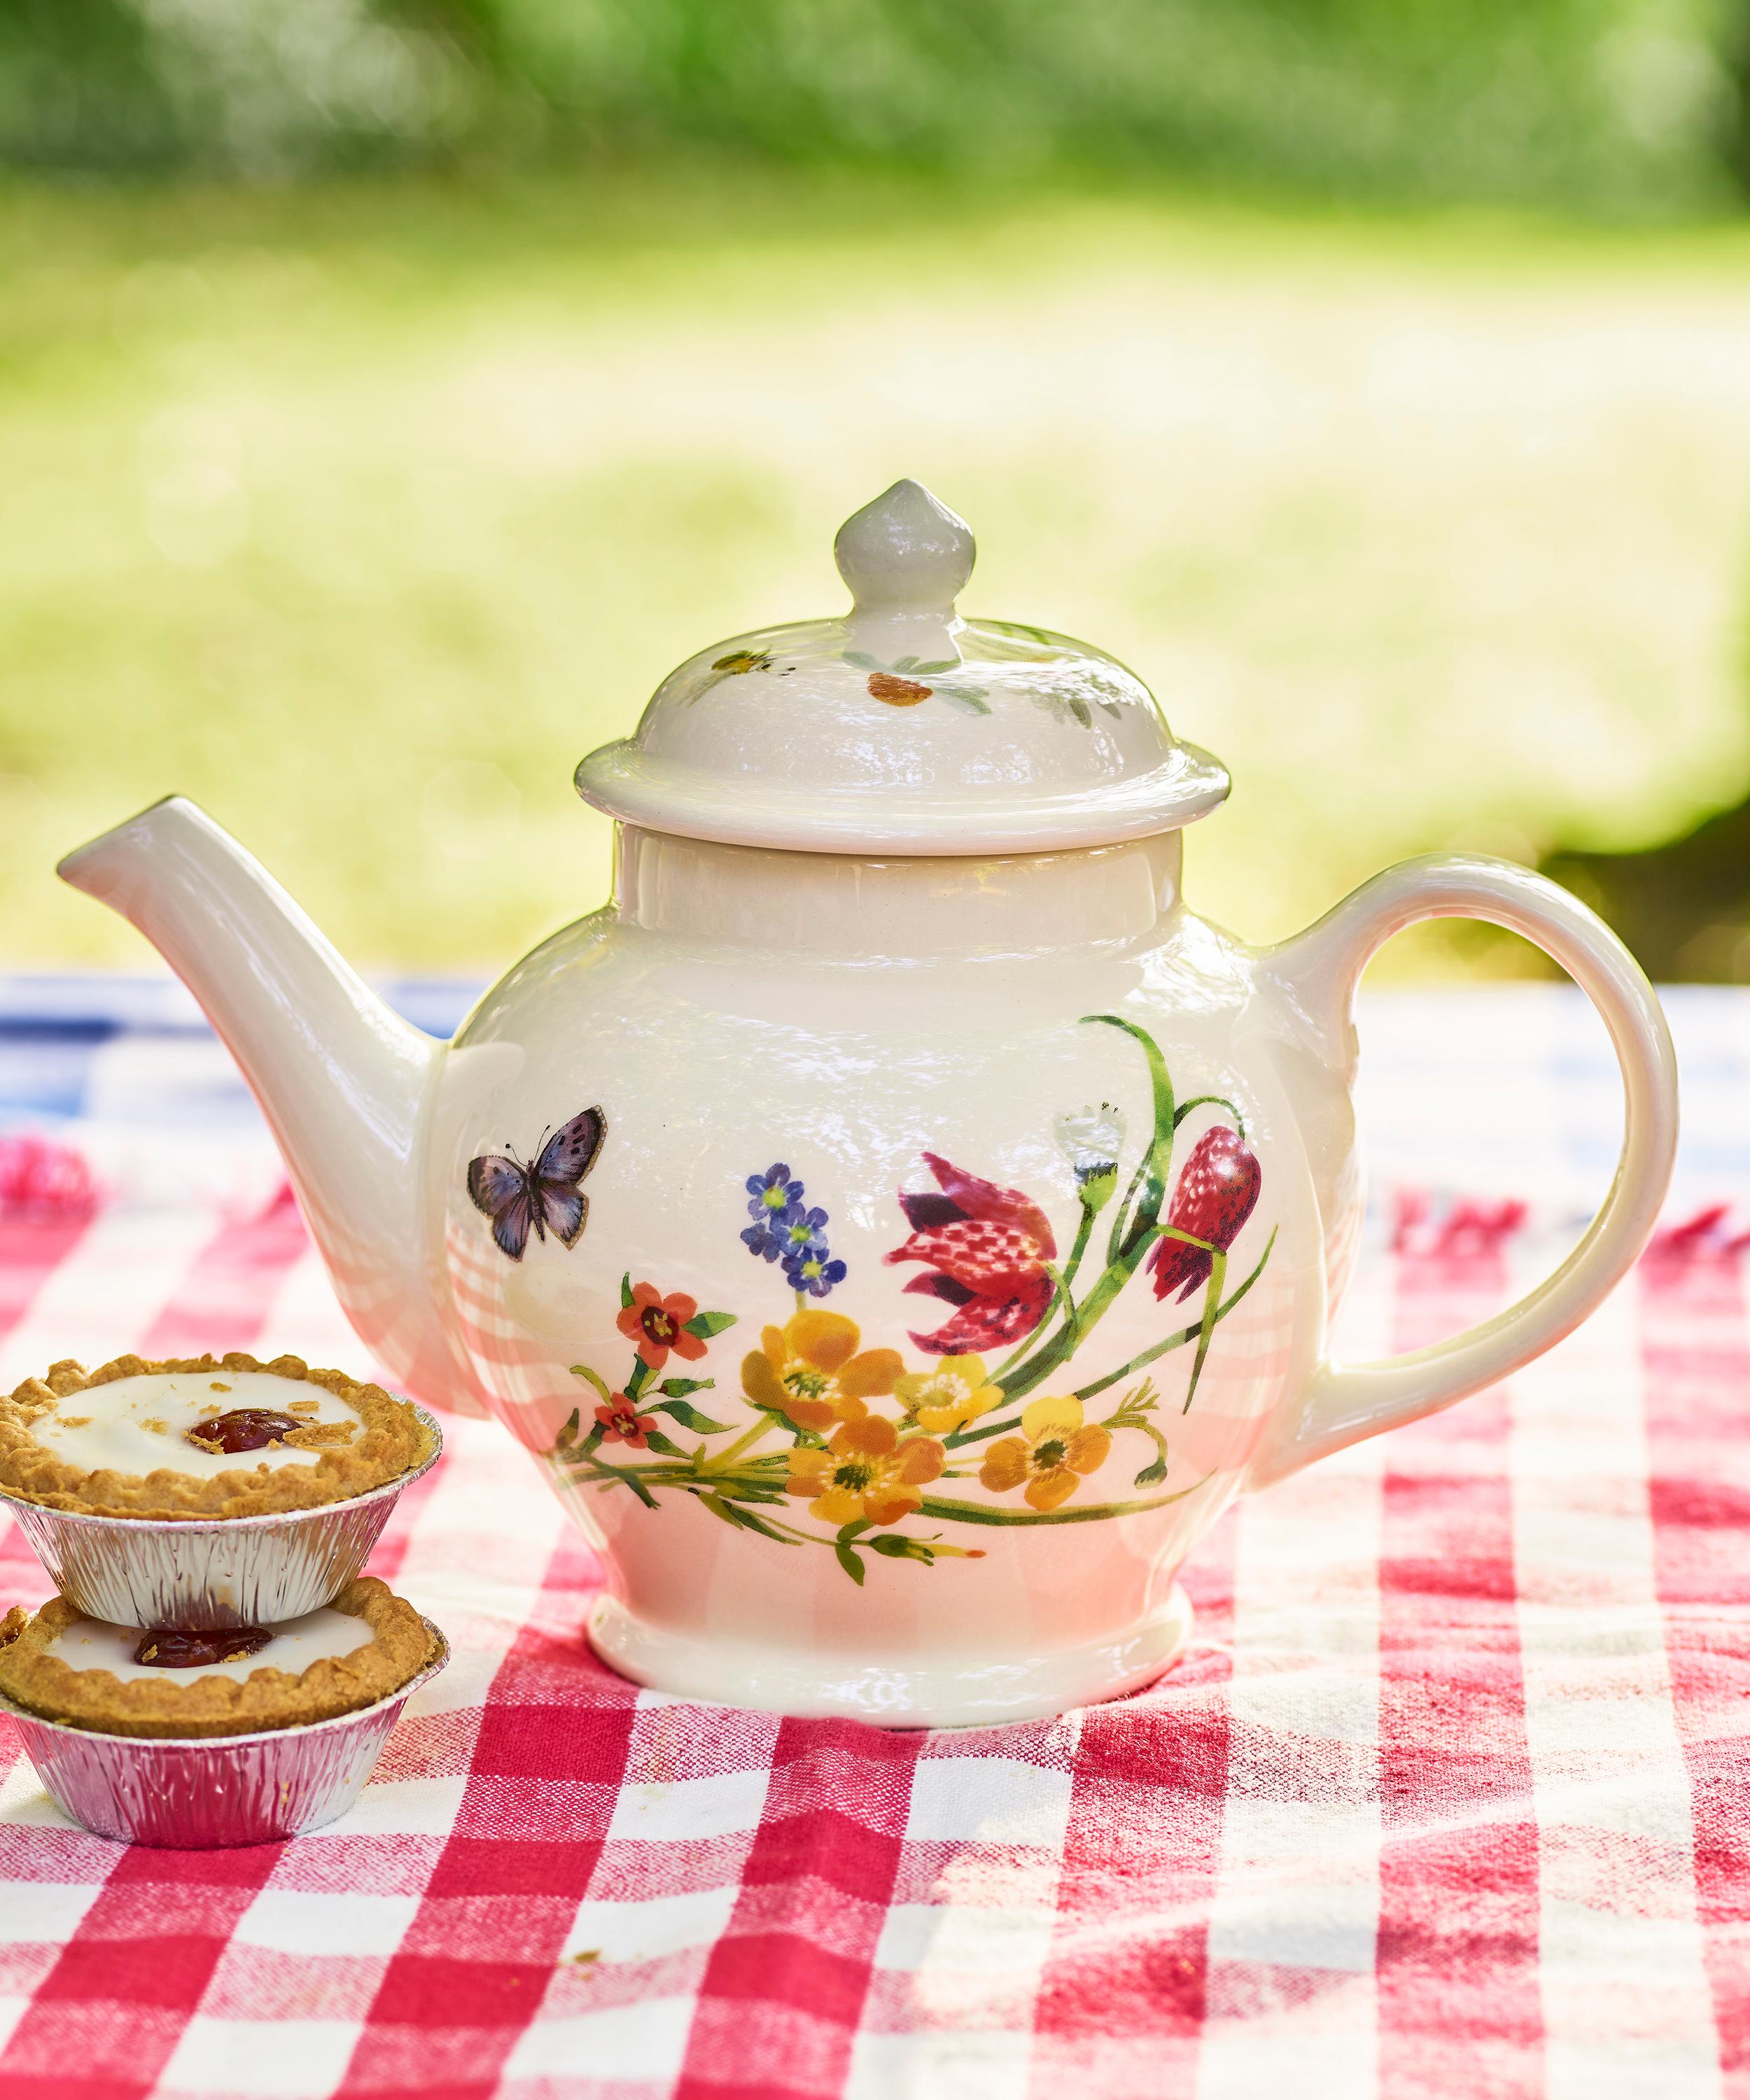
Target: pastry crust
107,1705
393,1441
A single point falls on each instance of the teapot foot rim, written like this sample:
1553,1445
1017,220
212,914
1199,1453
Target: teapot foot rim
817,1684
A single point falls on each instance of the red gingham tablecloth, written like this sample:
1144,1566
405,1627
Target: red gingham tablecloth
1448,1797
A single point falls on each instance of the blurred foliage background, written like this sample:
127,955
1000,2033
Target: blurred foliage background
391,391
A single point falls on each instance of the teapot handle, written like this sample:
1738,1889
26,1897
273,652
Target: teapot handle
1345,1403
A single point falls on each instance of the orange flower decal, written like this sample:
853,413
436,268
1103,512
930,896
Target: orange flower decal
866,1474
896,692
1052,1453
659,1324
621,1423
809,1370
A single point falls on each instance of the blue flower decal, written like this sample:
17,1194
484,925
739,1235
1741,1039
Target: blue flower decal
815,1273
773,1191
799,1232
786,1229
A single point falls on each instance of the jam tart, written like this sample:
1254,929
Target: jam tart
201,1437
86,1674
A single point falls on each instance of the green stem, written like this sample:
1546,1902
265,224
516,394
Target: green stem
948,1509
1179,1340
1210,1101
1084,1231
1080,1321
1115,1238
977,1436
1160,1153
1023,1344
1075,1330
745,1442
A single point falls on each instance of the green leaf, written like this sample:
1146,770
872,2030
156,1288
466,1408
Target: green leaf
688,1418
850,1563
933,670
1079,709
905,663
967,698
1151,1475
592,1378
666,1446
612,1474
677,1388
742,1520
705,1324
625,1290
568,1434
1213,1288
863,663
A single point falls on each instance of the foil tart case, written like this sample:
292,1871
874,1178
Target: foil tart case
198,1794
198,1573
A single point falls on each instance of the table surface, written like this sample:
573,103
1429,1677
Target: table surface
1448,1797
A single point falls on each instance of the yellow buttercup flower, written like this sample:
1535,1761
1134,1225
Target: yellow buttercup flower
865,1474
1051,1454
810,1370
947,1396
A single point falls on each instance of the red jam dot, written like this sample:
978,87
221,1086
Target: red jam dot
243,1429
163,1649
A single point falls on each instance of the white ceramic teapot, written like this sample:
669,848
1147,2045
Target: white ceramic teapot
897,1226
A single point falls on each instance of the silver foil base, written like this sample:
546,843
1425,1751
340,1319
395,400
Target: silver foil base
218,1790
242,1571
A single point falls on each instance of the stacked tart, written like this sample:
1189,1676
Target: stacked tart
227,1681
205,1520
202,1437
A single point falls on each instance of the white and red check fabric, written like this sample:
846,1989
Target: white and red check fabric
1448,1797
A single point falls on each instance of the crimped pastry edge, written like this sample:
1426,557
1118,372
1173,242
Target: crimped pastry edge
394,1441
268,1699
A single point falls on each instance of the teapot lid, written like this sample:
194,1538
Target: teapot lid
900,728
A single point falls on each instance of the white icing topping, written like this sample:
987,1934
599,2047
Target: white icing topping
107,1426
95,1644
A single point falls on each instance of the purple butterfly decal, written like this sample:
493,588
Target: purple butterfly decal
546,1194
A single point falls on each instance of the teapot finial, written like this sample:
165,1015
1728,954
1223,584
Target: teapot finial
905,552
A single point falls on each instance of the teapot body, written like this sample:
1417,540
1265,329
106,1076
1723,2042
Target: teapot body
953,1231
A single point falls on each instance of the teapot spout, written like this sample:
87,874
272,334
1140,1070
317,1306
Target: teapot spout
343,1081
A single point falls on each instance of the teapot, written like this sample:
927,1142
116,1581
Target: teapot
895,1223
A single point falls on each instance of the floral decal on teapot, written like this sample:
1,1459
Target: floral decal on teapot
905,681
872,1446
997,660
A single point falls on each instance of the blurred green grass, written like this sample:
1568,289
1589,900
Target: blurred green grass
1633,108
360,511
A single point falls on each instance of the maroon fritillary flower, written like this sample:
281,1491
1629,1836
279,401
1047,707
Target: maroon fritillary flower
985,1249
1215,1198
